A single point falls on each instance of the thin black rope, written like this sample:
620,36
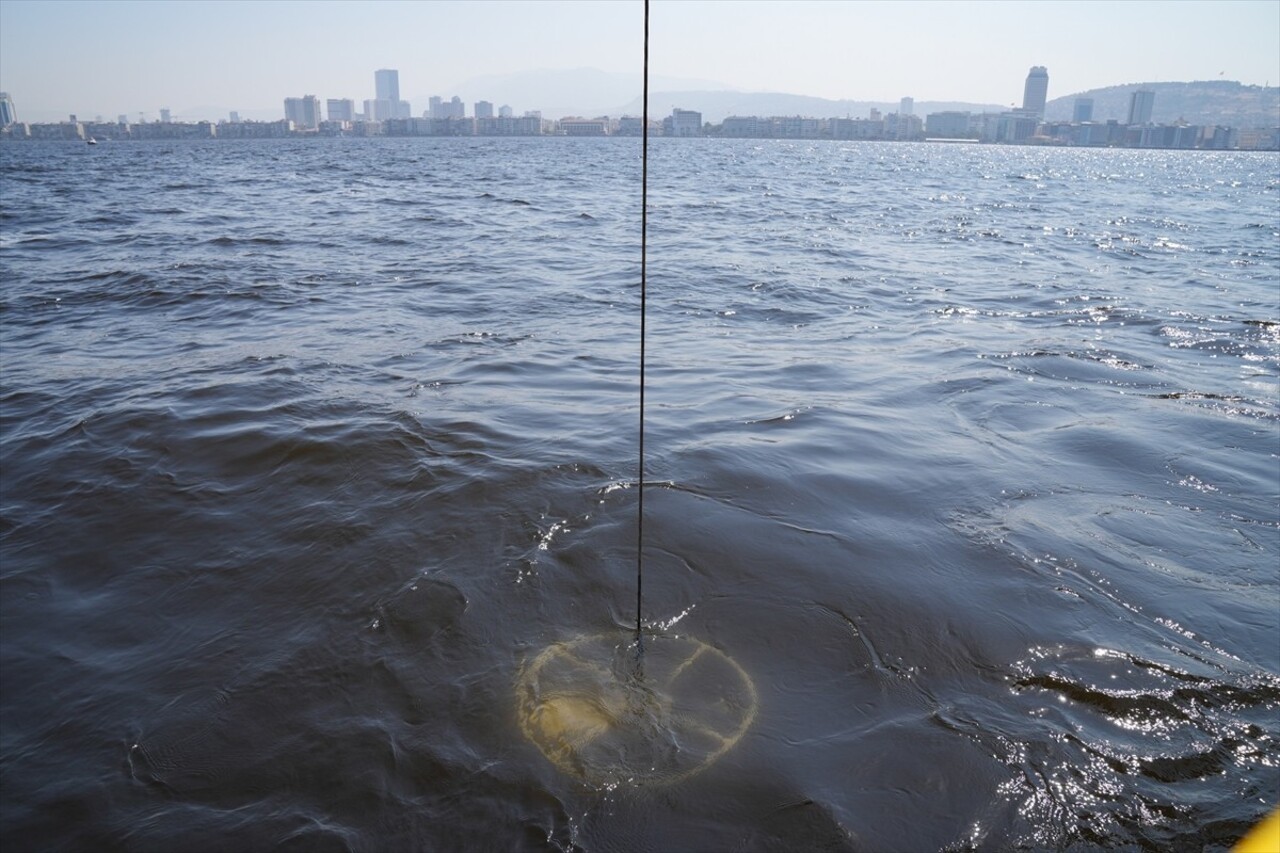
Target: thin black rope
644,294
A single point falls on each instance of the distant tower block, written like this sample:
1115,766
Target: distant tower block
906,106
1036,91
386,84
1083,110
1140,104
8,112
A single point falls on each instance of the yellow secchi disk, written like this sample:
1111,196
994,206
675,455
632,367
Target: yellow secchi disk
607,712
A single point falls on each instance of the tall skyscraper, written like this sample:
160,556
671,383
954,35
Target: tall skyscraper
484,109
165,115
304,112
387,88
906,106
1036,91
8,112
1083,110
340,109
387,85
1140,104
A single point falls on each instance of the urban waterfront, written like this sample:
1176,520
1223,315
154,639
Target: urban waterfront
388,115
966,454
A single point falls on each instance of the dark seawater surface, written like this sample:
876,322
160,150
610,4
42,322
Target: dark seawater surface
969,457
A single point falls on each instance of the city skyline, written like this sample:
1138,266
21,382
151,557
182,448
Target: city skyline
865,51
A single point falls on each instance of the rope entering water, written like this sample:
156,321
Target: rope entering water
644,293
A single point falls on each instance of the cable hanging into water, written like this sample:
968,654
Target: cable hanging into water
644,293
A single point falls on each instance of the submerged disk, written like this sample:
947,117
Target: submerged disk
601,709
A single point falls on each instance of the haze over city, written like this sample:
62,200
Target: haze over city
202,58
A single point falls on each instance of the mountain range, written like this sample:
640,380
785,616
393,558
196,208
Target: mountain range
1203,102
589,92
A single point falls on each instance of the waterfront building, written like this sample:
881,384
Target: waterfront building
948,124
508,125
165,116
8,112
684,123
505,111
1035,91
1083,110
630,126
574,126
1256,139
340,109
1140,104
798,127
235,118
124,119
1014,126
484,109
304,112
856,128
437,108
903,126
60,130
253,129
746,127
907,106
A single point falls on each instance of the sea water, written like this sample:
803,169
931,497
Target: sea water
969,456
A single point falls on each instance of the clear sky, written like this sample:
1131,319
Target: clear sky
110,56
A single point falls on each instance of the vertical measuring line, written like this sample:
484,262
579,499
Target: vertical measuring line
644,294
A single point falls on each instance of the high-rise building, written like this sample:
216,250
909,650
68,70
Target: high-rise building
165,115
8,112
304,112
1140,104
1083,110
340,109
386,83
505,111
453,108
386,102
906,106
1036,91
484,109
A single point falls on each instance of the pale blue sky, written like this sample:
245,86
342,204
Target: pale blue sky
111,57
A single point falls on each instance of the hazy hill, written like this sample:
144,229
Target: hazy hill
1206,102
559,92
591,92
716,106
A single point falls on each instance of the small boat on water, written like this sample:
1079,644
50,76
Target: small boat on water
91,141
